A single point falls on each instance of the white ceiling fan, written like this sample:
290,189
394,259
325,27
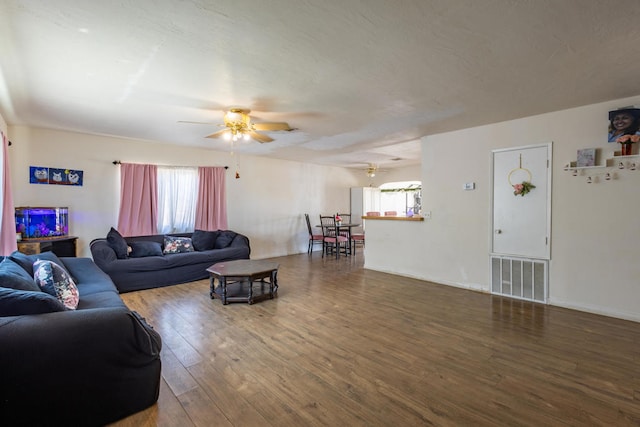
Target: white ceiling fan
238,125
373,169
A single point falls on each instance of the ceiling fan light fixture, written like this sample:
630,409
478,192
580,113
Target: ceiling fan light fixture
234,116
238,126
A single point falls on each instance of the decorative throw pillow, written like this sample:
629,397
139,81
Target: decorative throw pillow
14,302
53,280
117,243
13,276
176,245
225,238
204,240
144,249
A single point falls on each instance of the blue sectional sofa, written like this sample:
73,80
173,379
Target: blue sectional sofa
91,365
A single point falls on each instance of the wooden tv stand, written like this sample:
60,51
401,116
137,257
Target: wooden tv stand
61,246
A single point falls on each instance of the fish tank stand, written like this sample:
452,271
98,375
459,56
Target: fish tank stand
61,246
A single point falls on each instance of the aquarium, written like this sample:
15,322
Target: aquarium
41,222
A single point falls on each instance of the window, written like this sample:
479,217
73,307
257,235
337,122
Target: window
177,195
401,196
162,199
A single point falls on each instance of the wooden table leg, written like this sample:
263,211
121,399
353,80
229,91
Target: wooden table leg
212,285
223,283
273,285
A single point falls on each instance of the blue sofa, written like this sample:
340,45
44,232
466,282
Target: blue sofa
89,366
148,268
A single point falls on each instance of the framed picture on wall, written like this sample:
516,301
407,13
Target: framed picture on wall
38,175
624,121
56,176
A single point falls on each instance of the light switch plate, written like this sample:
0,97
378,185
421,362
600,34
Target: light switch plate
469,186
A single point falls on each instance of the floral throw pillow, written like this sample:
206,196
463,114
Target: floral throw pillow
176,245
55,281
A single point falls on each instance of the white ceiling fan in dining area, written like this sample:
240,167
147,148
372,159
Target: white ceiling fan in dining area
373,169
238,125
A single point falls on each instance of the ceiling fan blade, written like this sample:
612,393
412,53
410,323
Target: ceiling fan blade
197,123
273,126
260,137
216,134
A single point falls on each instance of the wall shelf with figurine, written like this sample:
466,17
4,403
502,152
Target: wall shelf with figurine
624,129
631,162
606,171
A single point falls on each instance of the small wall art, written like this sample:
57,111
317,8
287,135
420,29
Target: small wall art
586,157
55,176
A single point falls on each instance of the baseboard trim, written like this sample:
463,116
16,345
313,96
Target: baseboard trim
468,286
602,311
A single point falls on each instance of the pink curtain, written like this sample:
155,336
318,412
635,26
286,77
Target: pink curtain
138,200
8,225
211,207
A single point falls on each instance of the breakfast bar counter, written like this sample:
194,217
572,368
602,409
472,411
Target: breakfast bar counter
394,218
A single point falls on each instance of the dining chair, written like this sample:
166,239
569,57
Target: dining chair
346,217
330,240
356,234
357,238
313,238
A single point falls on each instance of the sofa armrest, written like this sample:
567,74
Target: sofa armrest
240,240
75,339
106,361
102,253
115,330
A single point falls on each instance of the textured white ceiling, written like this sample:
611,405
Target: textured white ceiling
361,80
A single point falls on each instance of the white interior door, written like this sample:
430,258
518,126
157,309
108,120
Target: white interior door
521,224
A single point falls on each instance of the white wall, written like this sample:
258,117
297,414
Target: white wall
595,244
267,203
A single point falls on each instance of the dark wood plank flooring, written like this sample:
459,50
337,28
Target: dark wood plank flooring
345,346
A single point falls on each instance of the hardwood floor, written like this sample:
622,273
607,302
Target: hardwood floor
345,346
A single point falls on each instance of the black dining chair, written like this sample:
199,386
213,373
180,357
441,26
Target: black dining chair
313,238
345,217
356,235
357,238
331,241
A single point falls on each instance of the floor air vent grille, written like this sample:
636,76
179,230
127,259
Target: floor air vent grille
520,278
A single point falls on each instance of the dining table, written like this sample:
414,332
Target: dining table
343,226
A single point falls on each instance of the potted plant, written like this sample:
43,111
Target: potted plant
626,142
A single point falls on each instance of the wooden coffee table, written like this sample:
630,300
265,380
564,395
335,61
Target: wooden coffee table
236,280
